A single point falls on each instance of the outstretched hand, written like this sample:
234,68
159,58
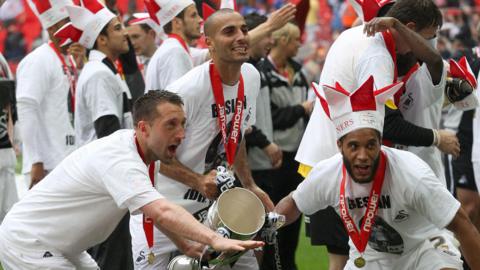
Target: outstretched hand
281,16
232,245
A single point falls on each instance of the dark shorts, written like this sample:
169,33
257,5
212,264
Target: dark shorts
325,228
462,171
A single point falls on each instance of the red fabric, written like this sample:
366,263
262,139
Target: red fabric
363,99
207,10
93,5
303,6
42,5
153,8
29,26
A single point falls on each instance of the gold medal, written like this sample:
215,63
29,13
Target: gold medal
151,258
359,262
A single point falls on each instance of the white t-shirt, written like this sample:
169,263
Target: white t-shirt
202,149
44,119
413,204
169,62
82,200
421,104
476,131
351,68
100,92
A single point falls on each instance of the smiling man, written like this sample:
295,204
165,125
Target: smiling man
392,205
223,90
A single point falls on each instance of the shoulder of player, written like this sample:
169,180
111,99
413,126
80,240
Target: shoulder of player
194,83
38,57
406,163
326,168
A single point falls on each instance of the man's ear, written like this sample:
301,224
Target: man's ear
209,43
412,26
339,145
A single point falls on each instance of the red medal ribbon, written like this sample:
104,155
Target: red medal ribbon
230,141
147,221
119,67
360,239
71,75
181,40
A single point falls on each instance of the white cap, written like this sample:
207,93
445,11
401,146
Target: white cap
86,23
163,11
362,108
49,12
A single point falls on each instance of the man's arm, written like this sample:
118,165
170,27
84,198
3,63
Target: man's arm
205,184
276,21
468,236
245,176
418,45
170,217
288,208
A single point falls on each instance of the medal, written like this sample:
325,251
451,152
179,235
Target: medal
359,262
151,258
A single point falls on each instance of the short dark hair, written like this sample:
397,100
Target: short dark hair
424,13
254,19
103,32
145,107
167,28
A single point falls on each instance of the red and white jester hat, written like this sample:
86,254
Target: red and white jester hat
362,108
368,9
462,70
49,12
86,23
163,11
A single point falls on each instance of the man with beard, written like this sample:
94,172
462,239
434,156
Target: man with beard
102,101
391,203
219,101
181,22
82,200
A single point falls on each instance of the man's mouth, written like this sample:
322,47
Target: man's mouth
362,170
172,149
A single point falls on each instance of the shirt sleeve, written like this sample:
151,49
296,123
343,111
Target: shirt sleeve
130,186
432,199
101,97
178,64
199,56
31,132
317,191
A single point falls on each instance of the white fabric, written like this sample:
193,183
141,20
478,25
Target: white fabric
421,104
427,256
169,9
42,101
34,259
351,68
246,262
414,205
81,201
99,93
169,62
8,188
476,133
56,13
201,150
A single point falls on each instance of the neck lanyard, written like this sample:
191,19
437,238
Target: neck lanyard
360,239
147,221
230,141
119,67
181,40
71,75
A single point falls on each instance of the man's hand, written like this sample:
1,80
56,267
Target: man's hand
379,25
224,244
36,174
192,249
267,202
78,53
448,143
308,107
275,154
207,185
281,16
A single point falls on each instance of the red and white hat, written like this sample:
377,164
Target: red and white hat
49,12
87,21
208,10
368,9
362,108
462,70
144,18
163,11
